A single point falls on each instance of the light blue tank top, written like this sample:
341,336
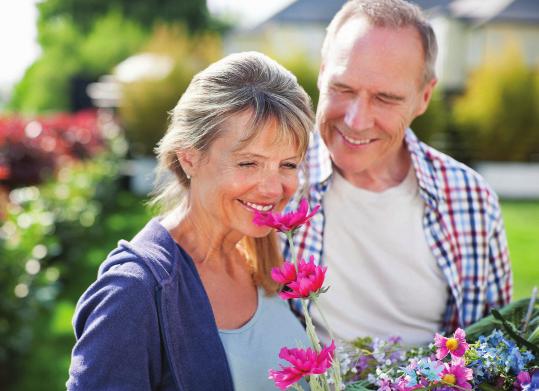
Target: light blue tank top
253,349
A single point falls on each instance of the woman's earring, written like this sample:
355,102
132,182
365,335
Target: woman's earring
188,176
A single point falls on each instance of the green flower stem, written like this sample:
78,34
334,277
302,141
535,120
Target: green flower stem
314,383
336,363
314,340
297,387
289,236
310,327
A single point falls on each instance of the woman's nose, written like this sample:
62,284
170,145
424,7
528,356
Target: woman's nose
271,185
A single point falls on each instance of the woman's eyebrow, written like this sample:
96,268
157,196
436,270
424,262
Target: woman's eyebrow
256,155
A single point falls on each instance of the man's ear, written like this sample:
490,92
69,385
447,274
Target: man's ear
426,95
189,159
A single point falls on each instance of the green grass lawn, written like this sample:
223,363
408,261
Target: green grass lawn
522,225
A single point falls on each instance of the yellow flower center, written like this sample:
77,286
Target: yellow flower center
452,344
449,378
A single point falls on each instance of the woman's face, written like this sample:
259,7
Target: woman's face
233,179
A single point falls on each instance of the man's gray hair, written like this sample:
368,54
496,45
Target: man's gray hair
392,14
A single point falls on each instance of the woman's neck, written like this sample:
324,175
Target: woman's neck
203,239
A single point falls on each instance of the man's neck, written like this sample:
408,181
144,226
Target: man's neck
378,179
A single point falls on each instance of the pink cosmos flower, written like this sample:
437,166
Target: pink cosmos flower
305,362
308,279
284,274
456,374
455,346
286,222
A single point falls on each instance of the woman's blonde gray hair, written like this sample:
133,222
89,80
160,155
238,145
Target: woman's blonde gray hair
392,14
238,83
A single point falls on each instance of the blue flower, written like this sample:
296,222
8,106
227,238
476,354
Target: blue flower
430,369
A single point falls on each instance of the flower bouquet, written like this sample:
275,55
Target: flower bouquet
500,352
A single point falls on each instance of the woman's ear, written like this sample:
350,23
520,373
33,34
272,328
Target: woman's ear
189,160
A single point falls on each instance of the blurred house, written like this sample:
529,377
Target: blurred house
468,31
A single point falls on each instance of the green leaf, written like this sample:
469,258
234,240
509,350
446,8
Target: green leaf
534,336
487,387
362,385
513,333
513,313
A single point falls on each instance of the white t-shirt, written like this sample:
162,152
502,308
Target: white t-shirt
384,280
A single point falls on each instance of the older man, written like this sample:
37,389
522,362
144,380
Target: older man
413,240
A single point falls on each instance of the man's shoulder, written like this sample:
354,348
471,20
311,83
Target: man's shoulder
458,179
449,177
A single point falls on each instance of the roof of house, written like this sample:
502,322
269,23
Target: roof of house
520,10
308,11
480,11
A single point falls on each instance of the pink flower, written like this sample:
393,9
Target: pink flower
308,279
284,274
522,380
305,362
455,346
456,374
287,221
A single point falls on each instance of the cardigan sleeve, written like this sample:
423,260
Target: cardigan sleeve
117,334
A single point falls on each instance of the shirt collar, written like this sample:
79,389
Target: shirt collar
424,169
320,167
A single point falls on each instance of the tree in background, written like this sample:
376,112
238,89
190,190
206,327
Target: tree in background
83,39
68,53
84,13
498,113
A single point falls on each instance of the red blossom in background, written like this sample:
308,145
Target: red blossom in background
307,280
32,149
286,222
305,362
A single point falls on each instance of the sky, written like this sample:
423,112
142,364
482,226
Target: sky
18,46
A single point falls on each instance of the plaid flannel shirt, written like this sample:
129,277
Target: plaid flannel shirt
462,223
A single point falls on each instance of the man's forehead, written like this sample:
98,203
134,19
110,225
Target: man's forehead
358,31
351,30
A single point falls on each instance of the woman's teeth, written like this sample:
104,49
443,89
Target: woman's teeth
261,208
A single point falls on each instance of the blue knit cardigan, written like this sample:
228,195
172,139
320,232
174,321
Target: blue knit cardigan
147,323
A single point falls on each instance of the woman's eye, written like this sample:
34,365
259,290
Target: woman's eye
291,166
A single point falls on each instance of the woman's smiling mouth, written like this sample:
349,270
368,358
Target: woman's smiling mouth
258,207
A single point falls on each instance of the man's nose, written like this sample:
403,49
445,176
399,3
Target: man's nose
359,114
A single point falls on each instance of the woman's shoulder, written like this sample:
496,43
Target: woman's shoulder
151,256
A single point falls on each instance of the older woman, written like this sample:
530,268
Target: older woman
189,304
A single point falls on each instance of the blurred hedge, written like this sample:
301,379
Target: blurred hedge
41,224
47,218
498,113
